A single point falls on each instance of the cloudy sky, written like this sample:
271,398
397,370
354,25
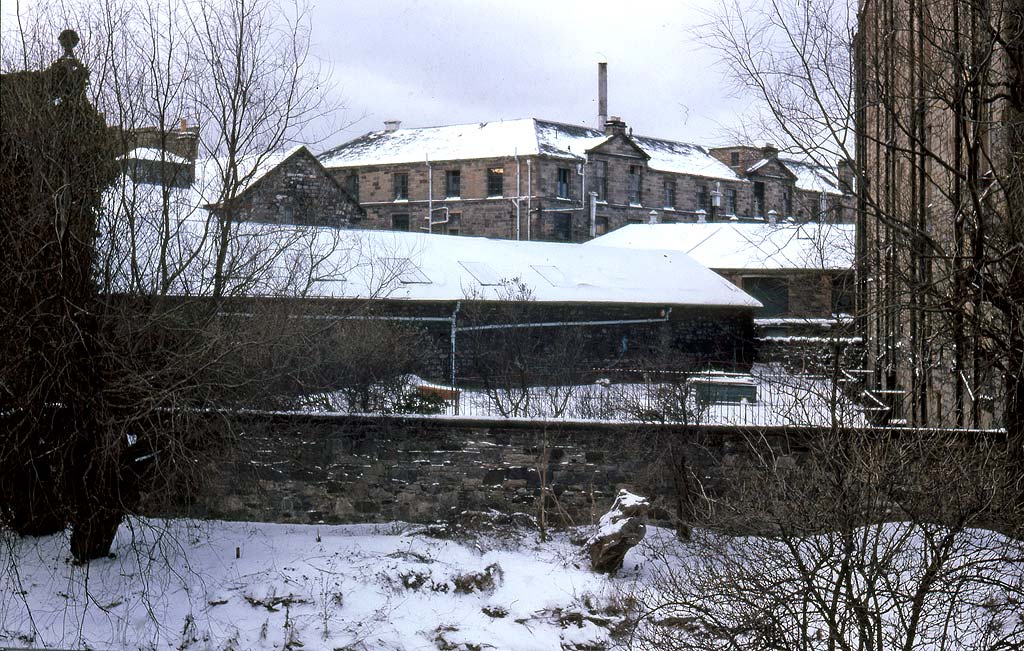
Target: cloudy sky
431,62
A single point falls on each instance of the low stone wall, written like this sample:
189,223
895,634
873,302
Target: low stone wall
337,469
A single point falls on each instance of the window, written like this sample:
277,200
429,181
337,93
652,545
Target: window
670,193
600,224
401,186
759,198
600,182
772,292
787,201
452,184
702,197
400,222
482,272
454,225
562,188
352,184
734,158
730,201
561,226
634,185
496,182
842,294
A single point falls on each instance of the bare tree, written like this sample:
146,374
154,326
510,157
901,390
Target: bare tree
926,99
177,306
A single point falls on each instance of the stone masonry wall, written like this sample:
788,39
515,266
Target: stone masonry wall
338,469
299,191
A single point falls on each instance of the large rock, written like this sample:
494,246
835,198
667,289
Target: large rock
620,530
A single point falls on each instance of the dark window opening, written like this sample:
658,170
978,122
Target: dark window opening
734,158
400,222
842,295
401,186
452,184
730,201
670,193
601,180
562,188
454,225
759,198
352,184
702,197
561,226
496,182
600,225
787,201
634,184
773,293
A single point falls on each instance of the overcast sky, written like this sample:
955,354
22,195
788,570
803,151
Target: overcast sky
432,62
437,62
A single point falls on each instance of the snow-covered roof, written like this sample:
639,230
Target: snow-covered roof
745,246
423,267
683,158
526,137
210,173
154,154
811,177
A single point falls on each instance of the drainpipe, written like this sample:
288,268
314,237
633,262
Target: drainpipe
581,169
529,195
455,314
593,215
430,194
519,194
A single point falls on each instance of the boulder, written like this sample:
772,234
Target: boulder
619,530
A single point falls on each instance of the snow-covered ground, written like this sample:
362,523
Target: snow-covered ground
183,586
179,585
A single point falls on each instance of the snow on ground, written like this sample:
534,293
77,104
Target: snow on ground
180,586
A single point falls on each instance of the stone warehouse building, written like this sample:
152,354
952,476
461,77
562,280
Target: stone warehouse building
533,179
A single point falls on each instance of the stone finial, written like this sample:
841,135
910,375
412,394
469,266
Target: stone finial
68,39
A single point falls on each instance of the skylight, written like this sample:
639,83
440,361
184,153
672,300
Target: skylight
405,271
552,274
482,271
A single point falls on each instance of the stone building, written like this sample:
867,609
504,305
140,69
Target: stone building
539,180
940,144
289,187
533,179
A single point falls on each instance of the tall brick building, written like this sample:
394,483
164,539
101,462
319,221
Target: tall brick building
540,180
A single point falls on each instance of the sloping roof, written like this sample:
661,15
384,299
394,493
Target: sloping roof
526,137
683,158
744,246
250,170
423,267
813,178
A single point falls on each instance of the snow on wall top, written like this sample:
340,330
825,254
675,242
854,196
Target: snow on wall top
744,246
154,154
814,178
527,137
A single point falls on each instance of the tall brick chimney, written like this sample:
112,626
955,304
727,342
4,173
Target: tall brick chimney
614,126
602,94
